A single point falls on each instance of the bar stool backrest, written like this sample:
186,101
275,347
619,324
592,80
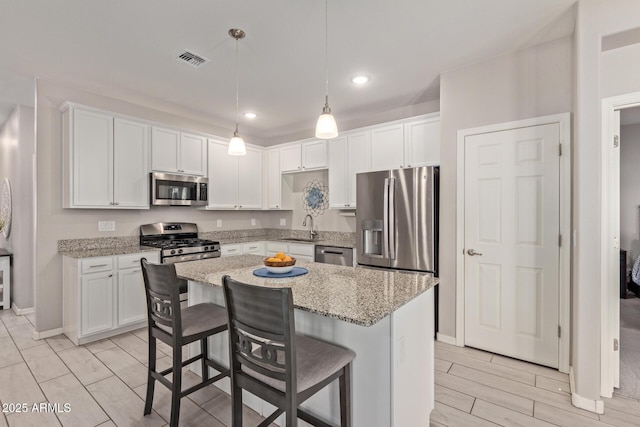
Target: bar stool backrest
262,330
163,296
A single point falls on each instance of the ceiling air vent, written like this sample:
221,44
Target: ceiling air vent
191,58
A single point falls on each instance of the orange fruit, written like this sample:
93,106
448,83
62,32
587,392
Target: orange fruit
288,258
280,255
272,259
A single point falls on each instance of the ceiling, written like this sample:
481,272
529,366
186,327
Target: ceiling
129,48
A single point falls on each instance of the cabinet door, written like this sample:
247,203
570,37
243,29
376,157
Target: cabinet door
130,164
193,154
314,155
387,148
92,159
164,149
96,297
256,248
359,155
250,180
338,166
422,143
274,179
132,305
231,250
223,173
291,158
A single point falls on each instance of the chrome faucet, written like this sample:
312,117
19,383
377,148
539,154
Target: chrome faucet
304,224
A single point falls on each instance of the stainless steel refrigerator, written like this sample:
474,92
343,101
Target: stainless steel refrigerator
397,219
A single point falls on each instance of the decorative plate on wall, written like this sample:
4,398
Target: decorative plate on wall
5,207
315,198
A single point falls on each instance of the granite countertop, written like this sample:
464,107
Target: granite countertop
95,252
357,295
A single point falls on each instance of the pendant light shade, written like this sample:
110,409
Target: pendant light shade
326,127
236,143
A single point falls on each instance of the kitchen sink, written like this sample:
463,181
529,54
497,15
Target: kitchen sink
295,239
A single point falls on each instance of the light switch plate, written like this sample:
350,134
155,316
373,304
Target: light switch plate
253,221
219,223
106,226
283,221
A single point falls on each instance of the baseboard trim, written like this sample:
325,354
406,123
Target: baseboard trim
47,334
578,401
22,311
446,339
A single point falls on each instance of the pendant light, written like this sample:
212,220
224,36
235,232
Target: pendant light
236,144
326,127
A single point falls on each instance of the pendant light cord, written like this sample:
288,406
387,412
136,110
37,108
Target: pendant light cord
326,49
237,95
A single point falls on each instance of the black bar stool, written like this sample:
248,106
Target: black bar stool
176,327
268,359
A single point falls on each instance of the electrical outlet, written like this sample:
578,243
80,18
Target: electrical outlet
283,221
253,221
106,226
219,223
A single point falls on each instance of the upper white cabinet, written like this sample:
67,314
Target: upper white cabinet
235,182
178,152
348,155
105,160
303,156
405,145
422,143
387,147
279,187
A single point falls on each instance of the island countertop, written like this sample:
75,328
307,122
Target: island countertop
357,295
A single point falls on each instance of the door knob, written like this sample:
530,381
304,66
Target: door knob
473,252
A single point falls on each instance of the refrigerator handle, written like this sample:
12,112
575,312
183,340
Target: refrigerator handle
385,221
391,227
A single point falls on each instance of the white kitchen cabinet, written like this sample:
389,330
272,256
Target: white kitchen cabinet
231,249
255,248
174,151
103,296
387,147
105,161
235,182
408,144
279,187
348,155
304,156
422,143
299,251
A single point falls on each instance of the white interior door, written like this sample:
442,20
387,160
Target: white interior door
512,215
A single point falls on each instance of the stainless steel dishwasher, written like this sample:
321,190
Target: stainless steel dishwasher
334,255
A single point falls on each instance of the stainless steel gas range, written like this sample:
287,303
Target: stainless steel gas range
178,242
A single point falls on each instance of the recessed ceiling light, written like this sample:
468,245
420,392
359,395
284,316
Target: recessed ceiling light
360,80
250,115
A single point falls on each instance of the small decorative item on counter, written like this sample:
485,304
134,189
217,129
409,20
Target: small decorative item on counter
279,263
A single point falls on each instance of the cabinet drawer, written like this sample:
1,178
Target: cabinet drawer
301,249
94,265
273,247
253,248
133,260
229,250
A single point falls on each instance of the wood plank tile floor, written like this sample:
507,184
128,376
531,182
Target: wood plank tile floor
476,388
102,383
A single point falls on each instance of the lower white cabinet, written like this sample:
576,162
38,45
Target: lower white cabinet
103,296
255,248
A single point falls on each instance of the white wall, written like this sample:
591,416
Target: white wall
17,143
530,83
630,191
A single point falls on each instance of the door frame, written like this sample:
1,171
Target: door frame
610,209
564,271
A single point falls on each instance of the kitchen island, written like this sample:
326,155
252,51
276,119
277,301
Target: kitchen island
386,317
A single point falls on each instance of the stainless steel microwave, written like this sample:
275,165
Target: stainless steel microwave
178,190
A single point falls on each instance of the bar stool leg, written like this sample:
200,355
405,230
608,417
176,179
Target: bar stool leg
176,386
205,354
236,405
345,396
151,381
